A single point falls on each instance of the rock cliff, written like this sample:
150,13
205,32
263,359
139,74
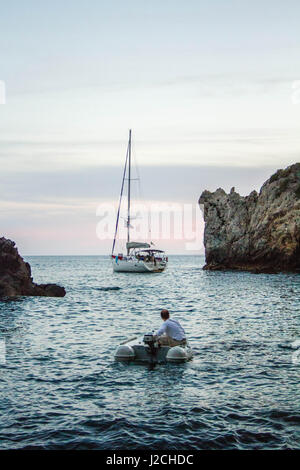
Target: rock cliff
15,275
259,232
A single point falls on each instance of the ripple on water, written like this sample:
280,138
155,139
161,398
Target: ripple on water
60,387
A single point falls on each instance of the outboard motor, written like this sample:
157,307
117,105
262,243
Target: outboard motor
149,340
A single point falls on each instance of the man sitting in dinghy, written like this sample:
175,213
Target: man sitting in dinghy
171,332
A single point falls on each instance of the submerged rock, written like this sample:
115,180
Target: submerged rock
259,232
15,275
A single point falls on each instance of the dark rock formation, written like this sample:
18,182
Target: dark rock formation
15,275
259,232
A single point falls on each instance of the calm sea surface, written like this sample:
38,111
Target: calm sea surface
60,387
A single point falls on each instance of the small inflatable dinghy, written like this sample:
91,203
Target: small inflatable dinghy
146,349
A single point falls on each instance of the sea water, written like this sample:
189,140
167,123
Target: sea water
61,389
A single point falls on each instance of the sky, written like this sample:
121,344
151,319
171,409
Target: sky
210,90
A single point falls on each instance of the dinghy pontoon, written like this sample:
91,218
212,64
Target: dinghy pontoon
147,349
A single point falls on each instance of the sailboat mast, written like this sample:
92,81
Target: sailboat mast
129,187
120,200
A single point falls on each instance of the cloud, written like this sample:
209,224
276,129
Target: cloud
170,183
55,212
249,147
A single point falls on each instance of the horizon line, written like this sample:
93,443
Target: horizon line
108,255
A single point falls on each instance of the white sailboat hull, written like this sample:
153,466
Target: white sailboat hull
137,266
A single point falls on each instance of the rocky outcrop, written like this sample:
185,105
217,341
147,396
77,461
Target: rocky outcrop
15,275
259,232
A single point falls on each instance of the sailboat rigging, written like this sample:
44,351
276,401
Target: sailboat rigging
140,256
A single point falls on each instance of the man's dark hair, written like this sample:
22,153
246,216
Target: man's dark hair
164,314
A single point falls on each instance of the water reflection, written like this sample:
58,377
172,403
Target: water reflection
61,386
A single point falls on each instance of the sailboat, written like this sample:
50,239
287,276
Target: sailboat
140,257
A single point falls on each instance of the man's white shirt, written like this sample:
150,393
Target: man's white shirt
173,329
